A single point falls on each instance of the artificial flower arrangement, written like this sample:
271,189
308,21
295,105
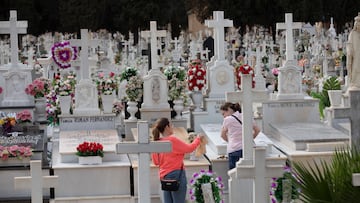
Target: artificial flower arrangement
106,84
19,152
52,108
196,75
243,69
196,193
118,106
9,120
176,82
65,85
38,88
276,192
134,85
90,149
63,53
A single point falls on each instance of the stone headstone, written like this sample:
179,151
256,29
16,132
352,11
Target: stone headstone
86,95
143,148
290,73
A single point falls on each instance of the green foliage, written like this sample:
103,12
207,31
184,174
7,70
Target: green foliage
331,83
330,182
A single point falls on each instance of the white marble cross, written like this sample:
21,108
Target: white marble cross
219,23
144,147
84,43
13,27
246,97
36,182
260,172
259,79
153,34
289,25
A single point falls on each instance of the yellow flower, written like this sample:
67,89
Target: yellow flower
2,121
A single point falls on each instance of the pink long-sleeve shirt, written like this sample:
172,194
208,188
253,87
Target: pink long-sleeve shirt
170,161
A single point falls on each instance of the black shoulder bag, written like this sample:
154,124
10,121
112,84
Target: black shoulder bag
171,184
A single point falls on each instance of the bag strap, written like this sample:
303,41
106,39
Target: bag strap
237,119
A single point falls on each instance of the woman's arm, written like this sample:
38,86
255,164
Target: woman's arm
224,134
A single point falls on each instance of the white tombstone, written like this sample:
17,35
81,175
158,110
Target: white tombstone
260,172
219,75
143,148
356,179
246,97
290,72
86,95
13,27
16,75
36,182
155,99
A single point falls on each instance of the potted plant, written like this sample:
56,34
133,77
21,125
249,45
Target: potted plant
206,180
90,153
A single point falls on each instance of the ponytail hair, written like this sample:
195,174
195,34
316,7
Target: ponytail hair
159,127
234,106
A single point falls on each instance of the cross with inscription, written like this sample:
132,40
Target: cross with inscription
246,97
289,25
144,147
153,34
36,182
13,27
219,23
84,43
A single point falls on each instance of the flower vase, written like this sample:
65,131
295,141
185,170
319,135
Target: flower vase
90,160
178,108
132,109
335,97
65,104
40,109
107,103
197,100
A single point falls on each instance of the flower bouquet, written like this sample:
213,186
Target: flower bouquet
64,86
243,69
196,76
134,88
106,84
38,88
20,152
90,153
206,178
176,81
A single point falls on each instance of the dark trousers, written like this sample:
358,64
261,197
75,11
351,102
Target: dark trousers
234,157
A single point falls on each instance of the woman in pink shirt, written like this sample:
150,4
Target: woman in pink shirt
231,131
171,164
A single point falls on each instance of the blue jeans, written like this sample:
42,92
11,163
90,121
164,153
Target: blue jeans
176,196
234,157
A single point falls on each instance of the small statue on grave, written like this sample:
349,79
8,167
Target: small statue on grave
353,55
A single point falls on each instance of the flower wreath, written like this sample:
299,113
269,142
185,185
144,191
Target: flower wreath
244,69
63,53
198,179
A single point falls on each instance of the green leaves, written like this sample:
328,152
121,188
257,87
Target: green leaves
329,182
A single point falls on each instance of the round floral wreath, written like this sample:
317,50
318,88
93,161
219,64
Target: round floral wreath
244,69
63,53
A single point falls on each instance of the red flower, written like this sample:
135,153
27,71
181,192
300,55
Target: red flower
90,149
196,76
244,69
